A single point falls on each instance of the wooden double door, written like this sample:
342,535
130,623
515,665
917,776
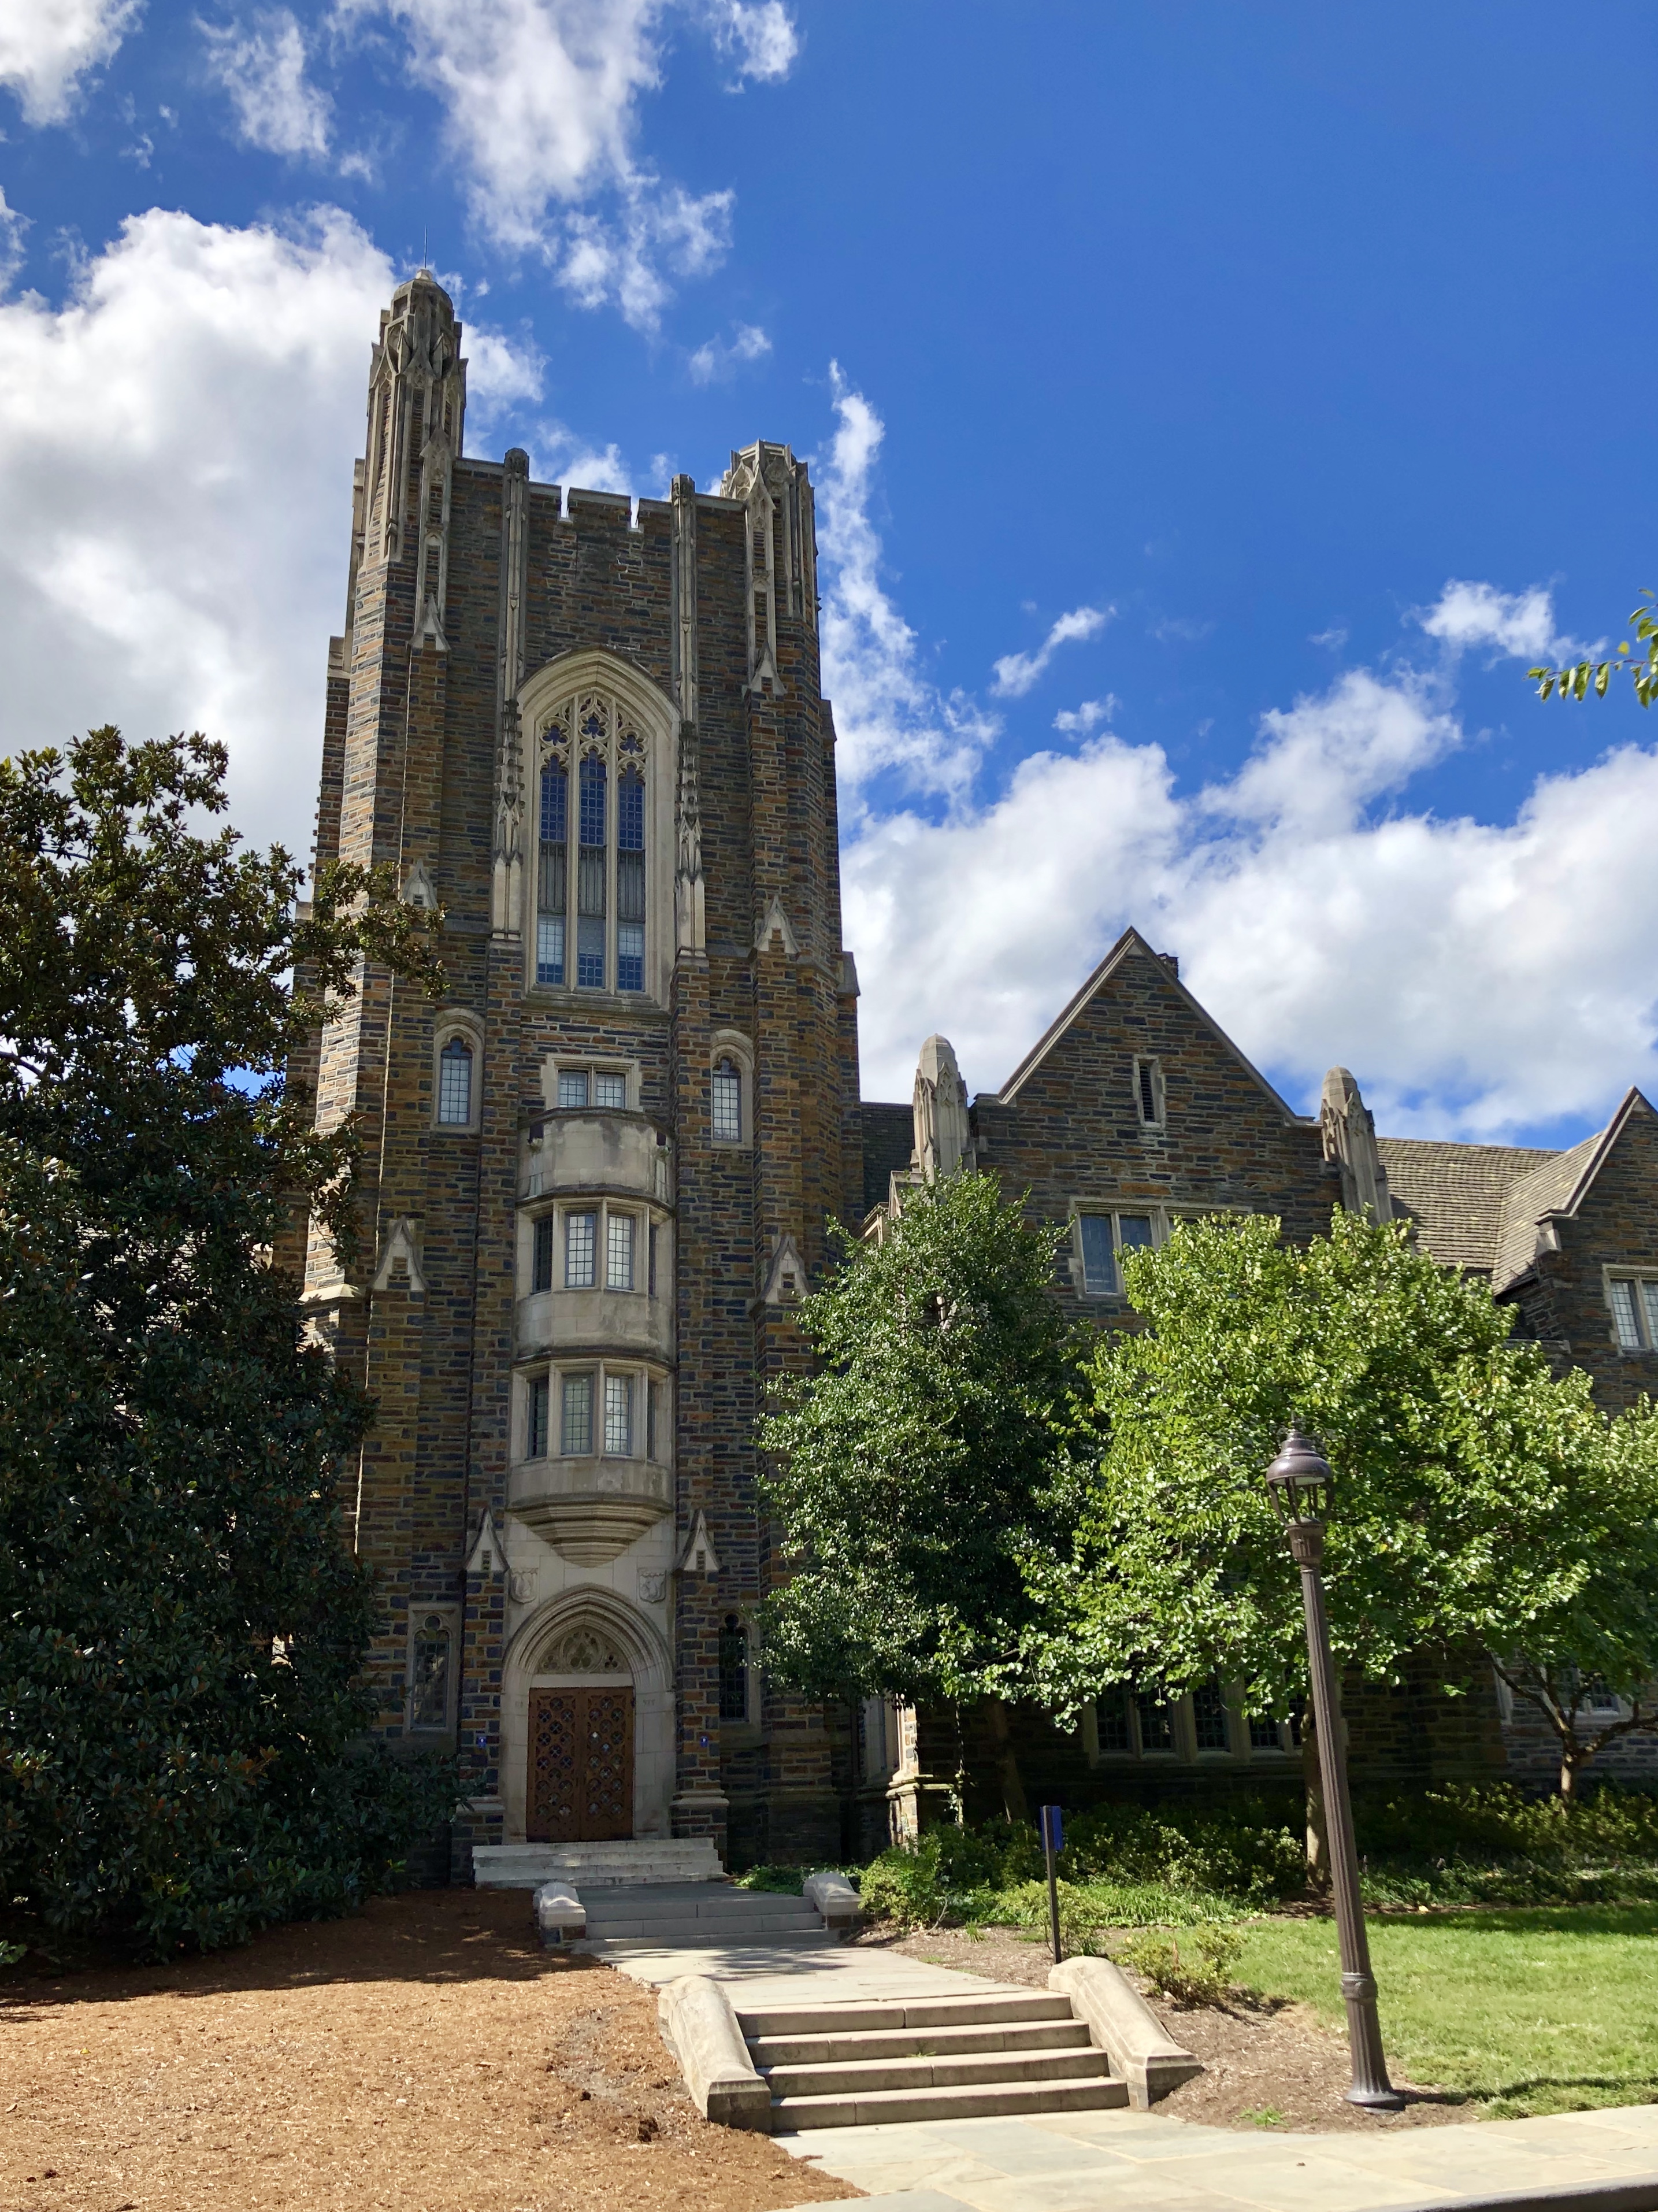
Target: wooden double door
581,1765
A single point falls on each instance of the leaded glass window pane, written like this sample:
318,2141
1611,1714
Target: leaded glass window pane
1099,1265
1134,1232
734,1670
593,803
1111,1716
630,956
727,1104
1156,1723
1624,1313
554,809
577,1429
1209,1717
578,1251
1263,1733
541,1276
455,1083
535,1425
610,1091
429,1701
549,947
590,945
619,1252
572,1086
619,1414
1649,1301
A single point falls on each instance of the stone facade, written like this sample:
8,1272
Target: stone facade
599,1174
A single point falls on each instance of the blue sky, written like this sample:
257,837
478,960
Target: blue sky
1214,411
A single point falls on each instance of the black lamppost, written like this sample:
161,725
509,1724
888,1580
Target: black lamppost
1299,1483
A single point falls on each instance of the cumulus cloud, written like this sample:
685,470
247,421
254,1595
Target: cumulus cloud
1521,623
713,362
1483,979
47,46
12,227
887,715
541,99
759,38
175,469
1077,721
1015,673
261,65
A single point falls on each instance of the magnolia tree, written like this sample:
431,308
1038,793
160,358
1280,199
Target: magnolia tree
914,1472
1486,1510
182,1624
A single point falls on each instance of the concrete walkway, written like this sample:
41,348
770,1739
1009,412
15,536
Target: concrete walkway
1128,2161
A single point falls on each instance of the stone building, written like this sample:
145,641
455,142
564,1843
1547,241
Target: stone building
599,1174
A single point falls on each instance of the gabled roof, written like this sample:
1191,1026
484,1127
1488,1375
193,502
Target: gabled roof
1455,1193
1560,1187
1130,943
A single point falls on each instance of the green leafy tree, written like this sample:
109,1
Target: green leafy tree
1485,1506
182,1625
916,1467
1639,662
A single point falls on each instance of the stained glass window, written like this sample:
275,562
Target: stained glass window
429,1691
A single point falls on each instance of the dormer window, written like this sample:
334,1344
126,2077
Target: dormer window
1149,1093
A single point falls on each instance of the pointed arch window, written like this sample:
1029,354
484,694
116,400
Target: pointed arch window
455,1084
630,880
590,902
552,893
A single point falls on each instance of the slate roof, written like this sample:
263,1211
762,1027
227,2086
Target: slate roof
888,1141
1456,1194
1547,1189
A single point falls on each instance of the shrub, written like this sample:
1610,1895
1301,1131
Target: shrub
1242,1851
1201,1974
1027,1906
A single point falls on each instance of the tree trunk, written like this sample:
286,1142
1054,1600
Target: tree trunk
1007,1760
1318,1837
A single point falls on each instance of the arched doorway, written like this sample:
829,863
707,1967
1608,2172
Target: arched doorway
585,1702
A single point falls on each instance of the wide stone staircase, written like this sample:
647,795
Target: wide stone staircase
697,1916
634,1861
926,2058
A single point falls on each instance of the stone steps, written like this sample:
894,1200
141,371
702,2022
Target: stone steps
689,1917
640,1860
934,2058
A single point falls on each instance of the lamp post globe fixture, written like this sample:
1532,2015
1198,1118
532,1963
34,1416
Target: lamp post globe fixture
1300,1484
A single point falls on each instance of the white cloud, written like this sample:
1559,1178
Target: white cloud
888,716
1015,673
12,227
261,65
713,362
1482,979
542,101
1517,622
175,469
757,34
47,46
1077,721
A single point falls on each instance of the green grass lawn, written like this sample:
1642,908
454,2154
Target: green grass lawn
1540,2010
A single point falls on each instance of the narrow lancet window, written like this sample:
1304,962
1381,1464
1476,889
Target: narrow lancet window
590,879
630,881
734,1670
429,1700
455,1084
552,896
727,1103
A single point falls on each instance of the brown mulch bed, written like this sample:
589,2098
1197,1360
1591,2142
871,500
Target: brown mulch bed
427,2056
1259,2058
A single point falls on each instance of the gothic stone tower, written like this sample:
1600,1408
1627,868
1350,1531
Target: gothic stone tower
599,1173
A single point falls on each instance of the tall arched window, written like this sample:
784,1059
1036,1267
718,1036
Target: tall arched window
734,1670
455,1084
552,894
630,881
590,878
727,1103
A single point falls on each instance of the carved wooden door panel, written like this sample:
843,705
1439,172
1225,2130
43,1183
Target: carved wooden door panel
581,1766
557,1736
607,1797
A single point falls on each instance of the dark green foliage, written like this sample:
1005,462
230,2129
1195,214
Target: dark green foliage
915,1471
182,1626
1490,1845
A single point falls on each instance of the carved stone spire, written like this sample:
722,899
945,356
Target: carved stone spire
782,550
690,933
942,1131
416,410
1348,1129
506,894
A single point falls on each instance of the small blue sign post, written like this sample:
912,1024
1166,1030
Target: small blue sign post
1053,1834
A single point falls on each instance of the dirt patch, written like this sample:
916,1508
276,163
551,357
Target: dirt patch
428,2056
1260,2060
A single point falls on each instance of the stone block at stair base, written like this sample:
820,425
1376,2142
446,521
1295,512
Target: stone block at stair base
1139,2047
833,1896
561,1915
701,2029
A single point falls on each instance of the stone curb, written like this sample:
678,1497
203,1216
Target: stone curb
699,2028
1124,2027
